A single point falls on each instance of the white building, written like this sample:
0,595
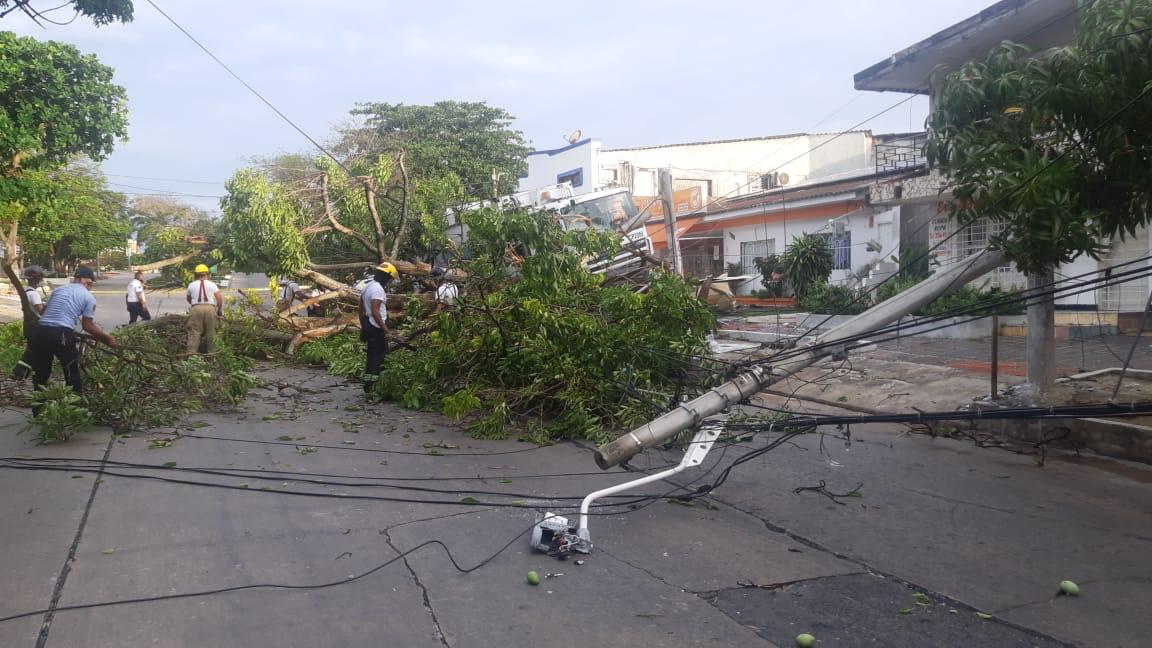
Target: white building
920,195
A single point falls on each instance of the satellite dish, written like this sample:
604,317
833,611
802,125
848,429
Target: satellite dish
574,137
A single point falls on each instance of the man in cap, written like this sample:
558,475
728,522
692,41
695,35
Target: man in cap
374,322
207,305
32,308
134,299
55,335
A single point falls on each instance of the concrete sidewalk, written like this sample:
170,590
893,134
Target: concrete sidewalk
754,565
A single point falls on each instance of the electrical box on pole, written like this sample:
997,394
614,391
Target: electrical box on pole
670,219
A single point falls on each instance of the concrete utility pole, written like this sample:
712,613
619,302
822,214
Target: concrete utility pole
670,219
747,384
1041,345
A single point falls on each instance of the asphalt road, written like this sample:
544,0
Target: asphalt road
948,544
110,291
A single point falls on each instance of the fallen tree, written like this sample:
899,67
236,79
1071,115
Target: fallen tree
537,342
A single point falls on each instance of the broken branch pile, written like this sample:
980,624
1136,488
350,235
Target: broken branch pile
537,341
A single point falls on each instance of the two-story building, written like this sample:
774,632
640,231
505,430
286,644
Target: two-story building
738,200
922,196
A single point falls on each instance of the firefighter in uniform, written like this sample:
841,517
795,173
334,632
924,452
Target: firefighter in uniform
374,322
206,306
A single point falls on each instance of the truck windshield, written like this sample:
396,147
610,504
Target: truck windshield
605,213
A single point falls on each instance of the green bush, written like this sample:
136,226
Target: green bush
834,300
807,263
968,296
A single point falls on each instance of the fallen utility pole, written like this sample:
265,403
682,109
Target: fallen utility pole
750,382
691,414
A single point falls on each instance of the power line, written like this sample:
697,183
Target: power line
134,177
252,90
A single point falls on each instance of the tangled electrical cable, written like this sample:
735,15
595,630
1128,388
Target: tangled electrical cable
638,503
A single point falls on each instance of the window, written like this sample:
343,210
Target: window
841,245
575,177
752,250
606,213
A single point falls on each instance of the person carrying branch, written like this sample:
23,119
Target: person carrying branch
289,293
207,305
55,335
134,299
374,322
33,278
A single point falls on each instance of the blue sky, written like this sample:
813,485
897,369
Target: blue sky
630,72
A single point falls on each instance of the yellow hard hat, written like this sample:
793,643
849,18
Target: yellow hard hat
201,269
388,268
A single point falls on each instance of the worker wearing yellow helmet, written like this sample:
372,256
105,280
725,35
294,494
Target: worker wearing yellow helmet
206,306
374,321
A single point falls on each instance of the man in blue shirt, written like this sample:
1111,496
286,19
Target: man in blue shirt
55,335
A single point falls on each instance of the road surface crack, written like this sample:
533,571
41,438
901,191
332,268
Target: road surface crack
423,591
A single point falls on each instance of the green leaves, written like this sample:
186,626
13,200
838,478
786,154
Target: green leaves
262,225
1054,148
807,263
55,103
62,414
464,140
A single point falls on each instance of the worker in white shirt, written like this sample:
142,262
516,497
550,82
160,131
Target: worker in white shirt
207,305
33,278
374,322
446,292
134,299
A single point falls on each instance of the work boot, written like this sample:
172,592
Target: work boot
22,370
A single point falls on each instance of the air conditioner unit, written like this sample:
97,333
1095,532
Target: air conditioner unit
773,180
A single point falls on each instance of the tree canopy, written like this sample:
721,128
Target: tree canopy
1053,145
68,215
55,103
101,12
467,140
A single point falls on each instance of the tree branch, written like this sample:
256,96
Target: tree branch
149,267
403,206
370,198
13,276
330,214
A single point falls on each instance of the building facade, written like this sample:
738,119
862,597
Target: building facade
921,195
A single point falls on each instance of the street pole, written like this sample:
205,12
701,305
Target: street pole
1041,345
995,357
670,219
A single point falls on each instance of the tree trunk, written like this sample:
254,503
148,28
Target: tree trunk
149,267
1041,344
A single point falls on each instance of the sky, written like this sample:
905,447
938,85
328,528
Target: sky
629,72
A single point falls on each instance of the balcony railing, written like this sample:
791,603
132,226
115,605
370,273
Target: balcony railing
902,153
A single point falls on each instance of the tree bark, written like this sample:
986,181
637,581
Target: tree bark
149,267
403,207
335,294
370,198
10,272
313,334
352,265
